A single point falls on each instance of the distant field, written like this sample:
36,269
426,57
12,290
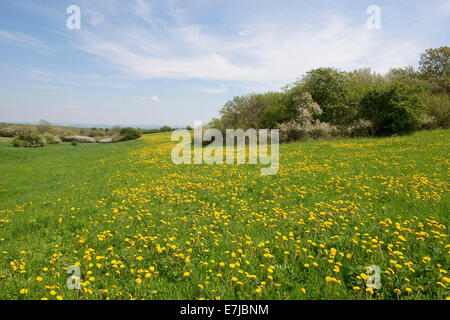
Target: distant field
140,227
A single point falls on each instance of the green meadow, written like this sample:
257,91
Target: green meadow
140,227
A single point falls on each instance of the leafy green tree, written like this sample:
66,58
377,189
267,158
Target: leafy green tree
327,88
434,66
357,84
395,74
360,102
249,111
435,62
438,109
394,108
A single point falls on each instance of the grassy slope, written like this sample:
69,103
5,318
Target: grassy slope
370,199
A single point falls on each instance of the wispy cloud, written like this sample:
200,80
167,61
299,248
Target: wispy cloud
40,75
25,41
59,81
44,87
219,48
270,53
220,89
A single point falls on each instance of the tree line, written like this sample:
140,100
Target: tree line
327,102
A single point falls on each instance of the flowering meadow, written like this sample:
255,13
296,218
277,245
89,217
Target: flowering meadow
140,227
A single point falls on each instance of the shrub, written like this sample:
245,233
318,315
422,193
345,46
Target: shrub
165,129
17,142
51,139
130,134
80,139
94,133
105,140
393,109
74,143
360,128
306,125
322,130
429,123
148,131
10,132
438,107
29,139
117,138
272,116
292,131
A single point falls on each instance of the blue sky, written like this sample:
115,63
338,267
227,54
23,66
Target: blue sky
148,62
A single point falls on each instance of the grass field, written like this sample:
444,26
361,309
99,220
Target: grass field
140,227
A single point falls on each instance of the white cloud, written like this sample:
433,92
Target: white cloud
25,41
273,55
245,33
152,98
220,89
